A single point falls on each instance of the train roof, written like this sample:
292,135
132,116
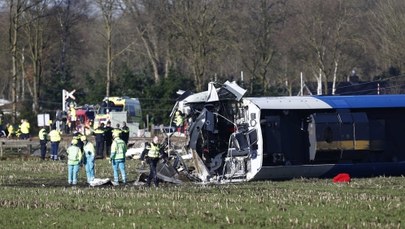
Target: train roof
329,102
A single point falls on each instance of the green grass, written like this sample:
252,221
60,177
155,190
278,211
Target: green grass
35,194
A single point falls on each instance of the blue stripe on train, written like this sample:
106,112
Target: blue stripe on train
364,101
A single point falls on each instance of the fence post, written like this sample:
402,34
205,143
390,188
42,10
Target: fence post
29,149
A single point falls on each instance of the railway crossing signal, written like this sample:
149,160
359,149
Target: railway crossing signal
65,96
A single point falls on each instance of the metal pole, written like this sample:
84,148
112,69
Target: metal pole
63,100
302,85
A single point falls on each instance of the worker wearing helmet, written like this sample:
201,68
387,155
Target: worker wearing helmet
89,156
117,130
77,135
74,158
118,150
152,154
43,139
179,121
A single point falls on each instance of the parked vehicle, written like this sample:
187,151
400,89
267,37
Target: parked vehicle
118,110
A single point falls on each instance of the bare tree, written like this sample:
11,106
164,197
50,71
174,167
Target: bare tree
149,17
4,52
36,38
325,31
260,25
387,22
17,8
112,12
108,10
200,32
68,14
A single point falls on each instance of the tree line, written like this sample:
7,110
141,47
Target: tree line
151,48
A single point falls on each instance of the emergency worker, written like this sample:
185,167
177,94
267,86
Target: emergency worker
89,156
152,154
77,135
118,150
10,130
179,121
74,158
73,117
43,139
55,138
99,136
88,130
125,132
108,138
25,129
117,130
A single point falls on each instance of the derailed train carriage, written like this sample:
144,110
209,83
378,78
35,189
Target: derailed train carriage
232,138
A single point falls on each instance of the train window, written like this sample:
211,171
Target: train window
131,110
360,117
326,118
345,117
240,141
252,135
253,116
328,134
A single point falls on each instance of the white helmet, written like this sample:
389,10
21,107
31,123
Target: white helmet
155,140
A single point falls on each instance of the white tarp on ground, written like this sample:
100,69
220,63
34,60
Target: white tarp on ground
135,153
99,181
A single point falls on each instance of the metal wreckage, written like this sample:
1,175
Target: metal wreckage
232,138
219,143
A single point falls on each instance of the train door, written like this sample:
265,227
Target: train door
272,147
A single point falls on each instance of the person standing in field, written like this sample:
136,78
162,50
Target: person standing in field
125,133
74,158
25,129
55,138
73,117
117,130
118,150
43,139
99,136
77,135
89,156
152,154
108,138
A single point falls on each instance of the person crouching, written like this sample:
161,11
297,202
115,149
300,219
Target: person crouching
74,158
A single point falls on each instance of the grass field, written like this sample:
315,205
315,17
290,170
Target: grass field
35,194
